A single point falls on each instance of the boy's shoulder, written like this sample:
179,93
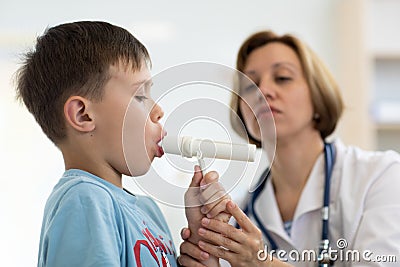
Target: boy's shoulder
86,193
77,192
149,206
80,184
83,187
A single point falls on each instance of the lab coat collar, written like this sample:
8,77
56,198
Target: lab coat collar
310,200
268,212
312,196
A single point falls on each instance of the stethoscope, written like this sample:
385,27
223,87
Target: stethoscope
323,257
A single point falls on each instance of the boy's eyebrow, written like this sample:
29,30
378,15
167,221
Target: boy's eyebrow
145,83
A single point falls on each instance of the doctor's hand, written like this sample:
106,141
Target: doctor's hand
240,247
190,254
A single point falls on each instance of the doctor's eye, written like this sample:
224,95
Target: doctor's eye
282,79
248,89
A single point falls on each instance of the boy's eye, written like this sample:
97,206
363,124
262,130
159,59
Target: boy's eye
140,98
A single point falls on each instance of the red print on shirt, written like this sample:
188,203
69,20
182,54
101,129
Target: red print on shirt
154,246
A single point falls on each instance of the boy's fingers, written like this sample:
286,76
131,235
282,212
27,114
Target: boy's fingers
210,177
197,177
192,193
212,193
217,201
211,210
223,217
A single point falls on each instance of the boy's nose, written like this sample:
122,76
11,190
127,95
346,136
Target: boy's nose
156,113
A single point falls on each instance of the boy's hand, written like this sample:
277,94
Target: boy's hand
214,198
204,197
193,203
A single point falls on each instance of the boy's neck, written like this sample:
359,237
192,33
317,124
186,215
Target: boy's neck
86,161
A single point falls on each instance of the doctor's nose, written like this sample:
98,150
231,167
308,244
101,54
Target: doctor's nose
267,88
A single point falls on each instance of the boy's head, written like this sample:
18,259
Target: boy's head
78,83
73,59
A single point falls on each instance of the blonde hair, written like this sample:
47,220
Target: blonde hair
325,94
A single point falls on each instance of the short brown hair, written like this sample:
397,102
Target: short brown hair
325,94
72,59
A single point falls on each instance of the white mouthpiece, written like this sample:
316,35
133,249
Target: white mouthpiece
205,148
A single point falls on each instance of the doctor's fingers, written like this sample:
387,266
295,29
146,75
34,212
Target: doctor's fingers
192,253
185,233
243,258
241,218
225,229
218,239
187,261
228,236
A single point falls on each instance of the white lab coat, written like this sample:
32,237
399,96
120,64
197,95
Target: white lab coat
364,209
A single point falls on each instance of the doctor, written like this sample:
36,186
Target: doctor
316,196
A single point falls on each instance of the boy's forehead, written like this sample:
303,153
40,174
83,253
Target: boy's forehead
137,75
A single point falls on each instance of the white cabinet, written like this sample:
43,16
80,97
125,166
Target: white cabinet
368,72
383,45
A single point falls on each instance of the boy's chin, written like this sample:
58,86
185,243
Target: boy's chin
138,171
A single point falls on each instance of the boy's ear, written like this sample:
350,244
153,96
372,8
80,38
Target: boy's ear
78,114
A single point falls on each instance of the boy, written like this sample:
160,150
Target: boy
87,84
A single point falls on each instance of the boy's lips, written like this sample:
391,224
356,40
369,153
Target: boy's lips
159,151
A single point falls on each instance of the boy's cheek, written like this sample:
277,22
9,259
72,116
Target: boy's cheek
138,155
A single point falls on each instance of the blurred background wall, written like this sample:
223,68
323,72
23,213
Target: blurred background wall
357,39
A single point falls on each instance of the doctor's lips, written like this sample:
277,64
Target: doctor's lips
270,111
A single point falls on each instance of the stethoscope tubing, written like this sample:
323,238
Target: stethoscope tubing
329,157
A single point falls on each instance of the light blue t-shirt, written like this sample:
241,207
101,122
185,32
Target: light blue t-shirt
90,222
